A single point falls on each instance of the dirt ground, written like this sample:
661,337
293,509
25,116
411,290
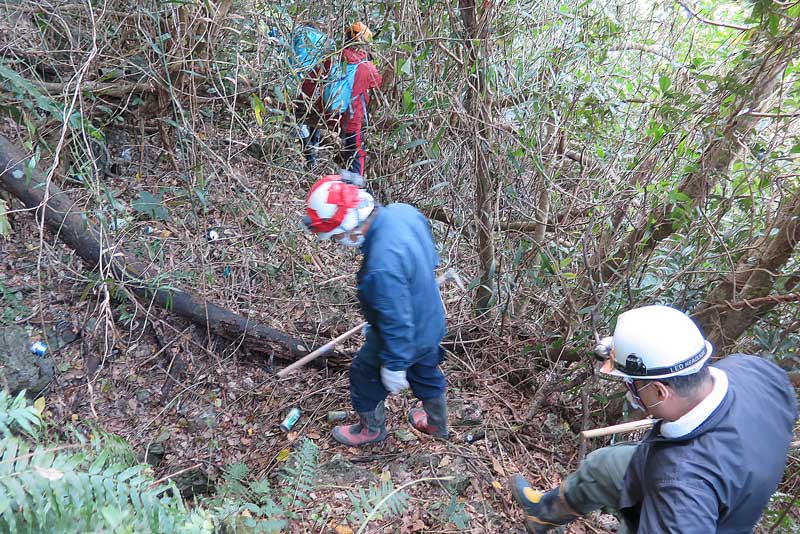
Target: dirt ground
193,404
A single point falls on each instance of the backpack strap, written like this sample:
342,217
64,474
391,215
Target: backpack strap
361,96
366,112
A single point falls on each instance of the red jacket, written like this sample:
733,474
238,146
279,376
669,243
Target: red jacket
367,78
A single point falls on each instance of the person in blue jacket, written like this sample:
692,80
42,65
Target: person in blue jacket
715,454
399,298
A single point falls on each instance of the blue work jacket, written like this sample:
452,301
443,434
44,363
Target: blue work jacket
397,287
720,476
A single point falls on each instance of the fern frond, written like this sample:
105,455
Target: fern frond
298,476
234,483
116,448
457,514
16,413
45,491
365,502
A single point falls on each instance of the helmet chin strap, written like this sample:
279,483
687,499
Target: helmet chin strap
352,239
355,238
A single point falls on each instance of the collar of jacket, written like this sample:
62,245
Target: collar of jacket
697,415
353,55
710,423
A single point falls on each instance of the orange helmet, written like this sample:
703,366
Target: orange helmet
359,32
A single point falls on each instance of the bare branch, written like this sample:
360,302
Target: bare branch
655,50
710,22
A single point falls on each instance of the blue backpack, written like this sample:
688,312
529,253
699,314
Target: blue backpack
338,89
309,47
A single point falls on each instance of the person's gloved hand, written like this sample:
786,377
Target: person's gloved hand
394,381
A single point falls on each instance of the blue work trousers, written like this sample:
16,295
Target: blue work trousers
366,389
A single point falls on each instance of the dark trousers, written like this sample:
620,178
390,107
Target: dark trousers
366,389
597,483
353,152
311,147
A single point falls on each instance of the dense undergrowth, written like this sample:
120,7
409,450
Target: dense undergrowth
575,160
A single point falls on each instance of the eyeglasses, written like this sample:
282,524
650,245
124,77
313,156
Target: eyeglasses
631,385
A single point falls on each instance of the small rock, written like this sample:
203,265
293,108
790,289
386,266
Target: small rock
459,482
191,483
405,435
493,519
607,521
121,404
556,427
204,420
154,453
91,324
21,368
422,460
465,414
337,415
142,395
340,470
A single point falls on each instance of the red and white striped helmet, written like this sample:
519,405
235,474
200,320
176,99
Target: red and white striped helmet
336,207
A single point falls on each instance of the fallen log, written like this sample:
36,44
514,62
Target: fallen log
30,187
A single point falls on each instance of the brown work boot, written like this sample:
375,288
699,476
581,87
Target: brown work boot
371,428
432,418
543,511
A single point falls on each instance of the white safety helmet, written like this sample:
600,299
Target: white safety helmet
336,207
654,342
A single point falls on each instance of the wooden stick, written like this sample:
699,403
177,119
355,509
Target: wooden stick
616,429
320,351
637,425
449,274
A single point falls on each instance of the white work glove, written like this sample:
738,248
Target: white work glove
394,381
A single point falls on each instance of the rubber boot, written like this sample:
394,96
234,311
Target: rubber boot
432,418
371,428
543,511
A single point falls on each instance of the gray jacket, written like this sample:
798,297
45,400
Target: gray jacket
719,477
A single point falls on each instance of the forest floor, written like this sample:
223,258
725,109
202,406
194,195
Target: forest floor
194,405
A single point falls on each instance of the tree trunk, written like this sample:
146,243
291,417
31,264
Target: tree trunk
713,162
480,111
753,277
31,187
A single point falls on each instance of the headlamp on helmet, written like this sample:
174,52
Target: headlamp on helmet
653,342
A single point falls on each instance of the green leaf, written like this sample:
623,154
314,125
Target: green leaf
413,144
407,66
408,101
22,85
5,226
664,83
774,24
258,108
150,205
678,197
